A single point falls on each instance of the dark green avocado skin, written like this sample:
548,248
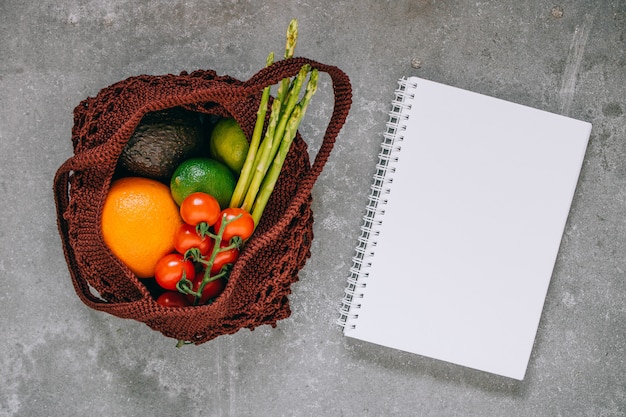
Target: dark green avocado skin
161,142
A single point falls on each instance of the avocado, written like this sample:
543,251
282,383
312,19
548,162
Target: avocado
161,141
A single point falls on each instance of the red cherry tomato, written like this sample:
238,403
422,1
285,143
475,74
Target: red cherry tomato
242,227
170,269
224,258
173,299
187,238
200,207
211,290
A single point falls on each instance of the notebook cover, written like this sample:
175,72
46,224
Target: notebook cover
471,228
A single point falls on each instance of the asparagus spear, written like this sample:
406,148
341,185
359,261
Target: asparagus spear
288,103
262,159
252,159
274,137
269,182
272,176
265,158
246,172
290,46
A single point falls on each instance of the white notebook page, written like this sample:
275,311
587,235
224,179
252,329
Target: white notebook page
471,230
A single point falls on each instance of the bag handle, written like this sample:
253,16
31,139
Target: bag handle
233,98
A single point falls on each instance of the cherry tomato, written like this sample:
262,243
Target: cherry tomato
170,268
211,290
200,207
224,258
242,227
173,299
186,238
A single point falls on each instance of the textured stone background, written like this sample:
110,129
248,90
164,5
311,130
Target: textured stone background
58,358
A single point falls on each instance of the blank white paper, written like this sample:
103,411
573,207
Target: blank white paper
471,229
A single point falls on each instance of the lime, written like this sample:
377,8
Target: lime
229,144
206,175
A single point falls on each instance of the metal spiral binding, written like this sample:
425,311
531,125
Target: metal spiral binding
375,210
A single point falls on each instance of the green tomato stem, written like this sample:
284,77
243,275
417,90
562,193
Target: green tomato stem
208,264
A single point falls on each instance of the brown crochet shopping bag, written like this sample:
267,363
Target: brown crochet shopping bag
269,263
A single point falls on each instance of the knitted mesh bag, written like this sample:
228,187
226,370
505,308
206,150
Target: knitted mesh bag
259,283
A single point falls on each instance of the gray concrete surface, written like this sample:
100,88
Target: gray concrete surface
58,358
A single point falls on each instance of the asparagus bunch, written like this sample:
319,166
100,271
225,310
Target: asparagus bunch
266,157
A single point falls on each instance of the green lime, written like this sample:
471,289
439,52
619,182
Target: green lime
205,175
229,144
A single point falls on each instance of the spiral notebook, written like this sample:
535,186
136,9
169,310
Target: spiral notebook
465,216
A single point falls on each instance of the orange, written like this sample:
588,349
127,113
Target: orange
139,220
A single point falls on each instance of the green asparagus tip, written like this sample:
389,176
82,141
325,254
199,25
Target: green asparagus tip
292,38
292,29
312,85
270,59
